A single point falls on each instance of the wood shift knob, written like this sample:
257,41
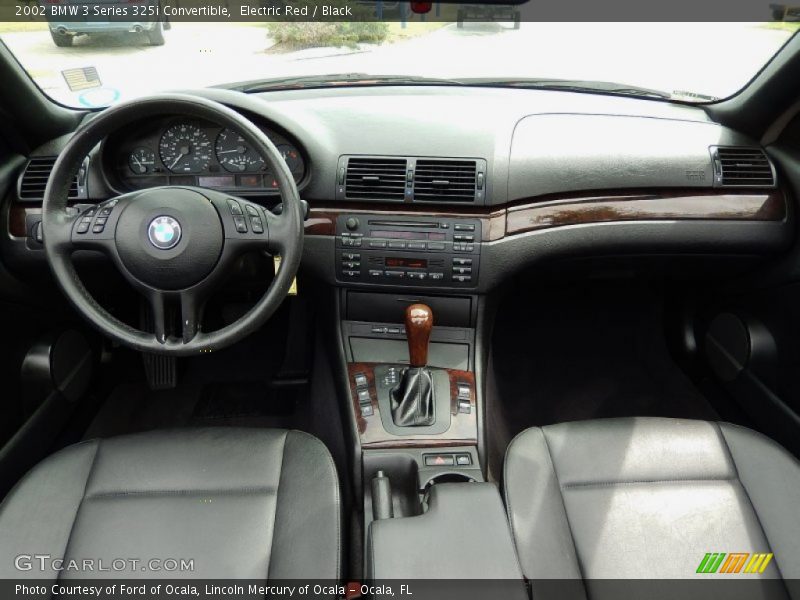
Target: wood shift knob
419,322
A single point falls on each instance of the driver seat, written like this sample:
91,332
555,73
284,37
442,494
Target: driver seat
239,503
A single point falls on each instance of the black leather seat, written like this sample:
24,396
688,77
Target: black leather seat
648,498
240,503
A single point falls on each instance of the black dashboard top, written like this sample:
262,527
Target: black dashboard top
526,143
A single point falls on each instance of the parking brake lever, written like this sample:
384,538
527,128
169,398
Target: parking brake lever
382,497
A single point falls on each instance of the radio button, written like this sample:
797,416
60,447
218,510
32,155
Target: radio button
352,256
436,276
377,243
462,278
463,227
416,275
462,270
416,245
353,265
436,246
462,261
395,274
351,273
375,273
397,244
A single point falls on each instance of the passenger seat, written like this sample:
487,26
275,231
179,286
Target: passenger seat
648,498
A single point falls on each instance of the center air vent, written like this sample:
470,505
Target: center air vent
375,178
445,180
34,179
742,167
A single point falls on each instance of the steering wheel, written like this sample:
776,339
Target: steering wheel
172,243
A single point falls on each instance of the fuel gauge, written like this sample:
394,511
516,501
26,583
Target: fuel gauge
142,161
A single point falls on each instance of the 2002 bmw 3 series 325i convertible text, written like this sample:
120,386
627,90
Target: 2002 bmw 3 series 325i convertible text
437,301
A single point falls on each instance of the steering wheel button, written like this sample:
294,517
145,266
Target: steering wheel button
104,212
100,220
251,210
235,209
98,228
83,226
256,224
240,224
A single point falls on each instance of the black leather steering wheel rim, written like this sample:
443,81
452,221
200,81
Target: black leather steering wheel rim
285,234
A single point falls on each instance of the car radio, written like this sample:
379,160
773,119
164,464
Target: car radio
409,250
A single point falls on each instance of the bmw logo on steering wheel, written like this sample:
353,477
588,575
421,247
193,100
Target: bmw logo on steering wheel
164,232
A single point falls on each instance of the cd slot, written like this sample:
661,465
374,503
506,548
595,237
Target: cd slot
417,224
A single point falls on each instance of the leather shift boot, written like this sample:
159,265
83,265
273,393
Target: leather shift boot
412,399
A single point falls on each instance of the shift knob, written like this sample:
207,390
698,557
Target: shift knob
419,322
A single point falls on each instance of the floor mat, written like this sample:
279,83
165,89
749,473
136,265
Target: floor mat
251,400
586,352
133,407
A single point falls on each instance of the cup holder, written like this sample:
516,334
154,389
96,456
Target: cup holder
443,478
449,478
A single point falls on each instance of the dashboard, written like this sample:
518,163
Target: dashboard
181,151
424,187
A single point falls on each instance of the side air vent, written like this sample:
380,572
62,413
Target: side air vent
375,178
445,180
34,179
742,167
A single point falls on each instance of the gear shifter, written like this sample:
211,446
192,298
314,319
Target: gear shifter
412,400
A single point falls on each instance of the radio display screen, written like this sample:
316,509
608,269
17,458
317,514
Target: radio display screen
408,235
411,263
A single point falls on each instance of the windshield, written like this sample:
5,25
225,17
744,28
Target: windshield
93,64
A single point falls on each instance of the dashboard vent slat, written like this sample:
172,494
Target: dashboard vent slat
742,167
448,180
376,178
35,177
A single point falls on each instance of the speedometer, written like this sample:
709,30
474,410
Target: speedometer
235,154
185,149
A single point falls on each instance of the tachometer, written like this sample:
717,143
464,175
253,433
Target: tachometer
185,149
235,154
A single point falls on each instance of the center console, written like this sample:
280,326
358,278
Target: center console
422,251
408,327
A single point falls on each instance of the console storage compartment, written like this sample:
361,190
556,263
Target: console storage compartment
463,535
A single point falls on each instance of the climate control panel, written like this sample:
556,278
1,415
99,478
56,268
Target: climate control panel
410,250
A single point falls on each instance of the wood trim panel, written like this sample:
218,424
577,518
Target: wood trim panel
17,215
561,210
550,211
711,205
463,427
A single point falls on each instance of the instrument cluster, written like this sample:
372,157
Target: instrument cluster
179,151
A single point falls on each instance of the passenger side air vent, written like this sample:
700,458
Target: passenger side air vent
34,179
742,167
445,180
375,178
